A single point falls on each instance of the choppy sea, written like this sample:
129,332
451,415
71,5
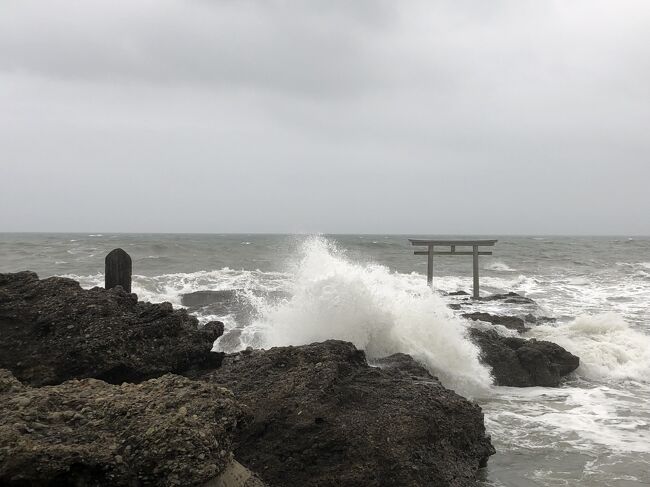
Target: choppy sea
594,430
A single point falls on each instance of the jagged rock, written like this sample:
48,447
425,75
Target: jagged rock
523,363
511,322
53,330
324,417
166,431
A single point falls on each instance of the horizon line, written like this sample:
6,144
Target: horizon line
104,233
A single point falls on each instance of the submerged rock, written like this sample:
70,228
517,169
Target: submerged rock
324,417
523,363
165,431
511,322
53,330
511,298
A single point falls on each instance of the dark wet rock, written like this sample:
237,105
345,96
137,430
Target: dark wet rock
165,431
523,363
324,417
511,322
529,318
510,298
458,293
53,330
454,306
519,300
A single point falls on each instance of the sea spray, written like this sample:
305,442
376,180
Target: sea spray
378,310
608,347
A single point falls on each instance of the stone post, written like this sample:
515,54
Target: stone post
118,270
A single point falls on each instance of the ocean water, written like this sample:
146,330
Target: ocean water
594,430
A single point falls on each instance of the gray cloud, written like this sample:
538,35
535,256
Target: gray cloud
447,116
271,45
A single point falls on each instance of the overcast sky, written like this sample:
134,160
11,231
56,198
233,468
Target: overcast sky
459,116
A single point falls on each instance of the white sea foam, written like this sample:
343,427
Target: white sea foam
379,311
499,267
578,281
582,417
608,347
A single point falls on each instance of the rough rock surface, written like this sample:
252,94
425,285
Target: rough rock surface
324,417
511,322
522,363
166,431
53,330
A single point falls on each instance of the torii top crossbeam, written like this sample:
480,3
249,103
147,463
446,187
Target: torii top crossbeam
452,244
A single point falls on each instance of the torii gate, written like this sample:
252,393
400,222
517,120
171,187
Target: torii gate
430,244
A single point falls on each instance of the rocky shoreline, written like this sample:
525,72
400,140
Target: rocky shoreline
101,389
